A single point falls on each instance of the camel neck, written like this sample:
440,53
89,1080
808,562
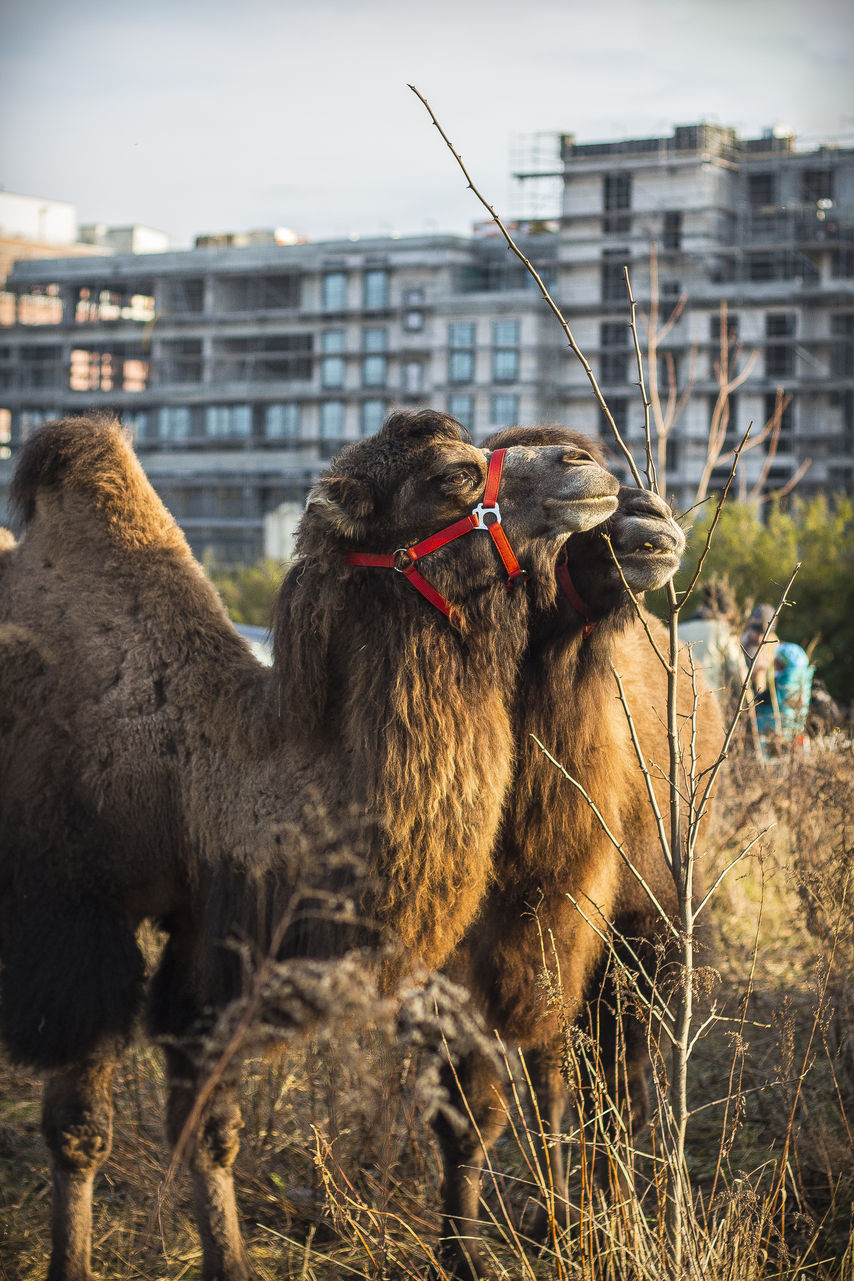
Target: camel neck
418,720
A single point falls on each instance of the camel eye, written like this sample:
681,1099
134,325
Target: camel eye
459,480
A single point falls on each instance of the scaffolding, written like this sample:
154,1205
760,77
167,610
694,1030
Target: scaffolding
536,174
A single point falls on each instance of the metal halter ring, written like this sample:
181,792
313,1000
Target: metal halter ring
480,513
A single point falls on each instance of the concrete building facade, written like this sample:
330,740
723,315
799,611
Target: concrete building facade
242,368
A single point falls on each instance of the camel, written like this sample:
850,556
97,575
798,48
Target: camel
153,769
551,843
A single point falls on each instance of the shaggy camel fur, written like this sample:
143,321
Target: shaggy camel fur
153,769
551,842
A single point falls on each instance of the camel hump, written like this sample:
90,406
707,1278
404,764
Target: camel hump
92,458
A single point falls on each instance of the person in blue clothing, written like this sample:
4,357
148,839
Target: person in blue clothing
782,678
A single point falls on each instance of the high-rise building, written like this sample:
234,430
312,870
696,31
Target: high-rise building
241,365
743,252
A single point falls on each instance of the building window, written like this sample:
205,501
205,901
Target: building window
374,371
505,351
842,264
413,297
461,355
413,321
413,377
228,421
174,424
762,190
780,354
817,185
735,429
375,340
461,367
282,421
614,341
672,231
462,408
375,291
505,364
613,275
335,291
780,324
461,334
332,371
333,342
842,349
732,327
504,410
673,455
619,407
371,415
505,333
616,200
331,419
668,369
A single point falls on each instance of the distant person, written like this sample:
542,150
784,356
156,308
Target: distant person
751,640
792,687
714,646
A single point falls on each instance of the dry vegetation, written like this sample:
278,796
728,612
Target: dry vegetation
339,1173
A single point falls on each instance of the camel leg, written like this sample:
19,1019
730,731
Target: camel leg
77,1123
210,1150
610,1097
550,1096
624,1066
476,1089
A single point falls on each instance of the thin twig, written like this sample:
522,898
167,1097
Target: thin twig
550,302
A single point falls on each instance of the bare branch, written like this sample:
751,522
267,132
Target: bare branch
603,822
640,614
550,302
718,509
652,479
653,799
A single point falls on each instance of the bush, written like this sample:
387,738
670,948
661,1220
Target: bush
250,593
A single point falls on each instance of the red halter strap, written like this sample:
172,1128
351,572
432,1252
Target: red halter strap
571,593
486,515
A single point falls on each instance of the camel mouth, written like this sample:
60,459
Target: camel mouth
648,540
649,567
650,552
577,514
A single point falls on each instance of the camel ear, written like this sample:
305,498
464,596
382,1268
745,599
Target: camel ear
346,503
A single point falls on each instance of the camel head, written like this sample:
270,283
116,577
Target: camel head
647,543
644,537
420,474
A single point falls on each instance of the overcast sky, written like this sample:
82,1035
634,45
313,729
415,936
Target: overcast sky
234,114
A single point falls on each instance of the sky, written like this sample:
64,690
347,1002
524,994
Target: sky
230,115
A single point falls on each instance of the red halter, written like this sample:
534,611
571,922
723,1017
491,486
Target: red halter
486,515
571,593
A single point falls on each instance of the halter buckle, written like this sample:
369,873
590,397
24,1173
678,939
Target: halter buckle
481,512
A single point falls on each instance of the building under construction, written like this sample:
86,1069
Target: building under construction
242,367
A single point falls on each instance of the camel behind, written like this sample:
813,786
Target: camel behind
78,649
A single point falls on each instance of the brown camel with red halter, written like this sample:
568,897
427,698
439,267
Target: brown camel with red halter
152,769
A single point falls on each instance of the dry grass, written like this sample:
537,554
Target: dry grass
339,1175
